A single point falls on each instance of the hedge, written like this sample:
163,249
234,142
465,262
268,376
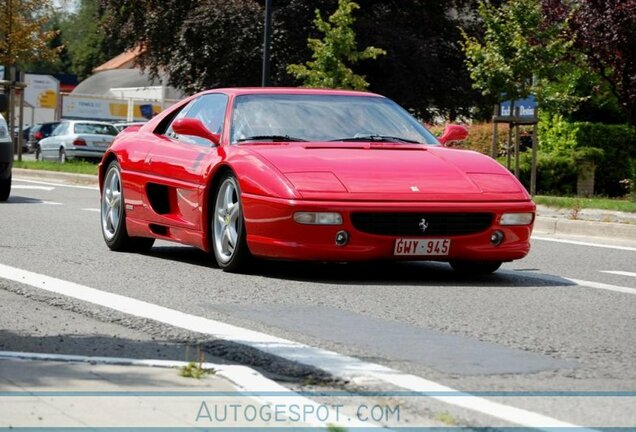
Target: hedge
612,147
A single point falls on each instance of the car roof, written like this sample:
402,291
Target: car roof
289,91
101,123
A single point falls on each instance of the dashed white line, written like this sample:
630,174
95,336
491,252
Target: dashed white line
559,280
337,364
582,243
96,210
51,203
18,179
618,272
32,187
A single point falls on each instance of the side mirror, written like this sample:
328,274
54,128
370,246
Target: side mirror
453,132
4,102
194,127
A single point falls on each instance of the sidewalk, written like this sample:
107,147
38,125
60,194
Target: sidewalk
102,392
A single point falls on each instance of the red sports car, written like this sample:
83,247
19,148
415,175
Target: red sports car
305,174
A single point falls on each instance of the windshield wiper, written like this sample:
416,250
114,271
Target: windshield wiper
378,138
273,138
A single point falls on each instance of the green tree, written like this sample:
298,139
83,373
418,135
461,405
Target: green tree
61,62
24,36
333,54
88,41
520,54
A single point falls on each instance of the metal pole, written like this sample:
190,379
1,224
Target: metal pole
267,42
12,105
494,131
517,143
21,124
535,140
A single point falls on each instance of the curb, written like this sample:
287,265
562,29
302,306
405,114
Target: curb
612,230
83,179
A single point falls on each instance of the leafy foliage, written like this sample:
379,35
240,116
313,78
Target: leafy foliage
24,37
604,31
521,55
612,147
87,39
335,52
423,69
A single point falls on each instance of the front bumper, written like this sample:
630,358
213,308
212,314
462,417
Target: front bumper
272,232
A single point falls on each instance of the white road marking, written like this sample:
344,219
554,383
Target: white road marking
51,203
245,378
55,184
92,210
582,243
337,364
44,188
620,273
559,280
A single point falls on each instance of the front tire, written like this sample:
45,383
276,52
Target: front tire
475,267
5,189
227,226
113,215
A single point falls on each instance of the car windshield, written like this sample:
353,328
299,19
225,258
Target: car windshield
95,128
313,117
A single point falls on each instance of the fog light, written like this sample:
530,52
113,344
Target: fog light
318,218
342,238
496,238
516,219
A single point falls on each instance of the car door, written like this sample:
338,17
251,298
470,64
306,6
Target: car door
50,146
177,165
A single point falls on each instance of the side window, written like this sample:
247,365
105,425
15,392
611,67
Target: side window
210,109
60,129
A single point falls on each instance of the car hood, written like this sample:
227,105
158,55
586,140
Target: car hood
388,171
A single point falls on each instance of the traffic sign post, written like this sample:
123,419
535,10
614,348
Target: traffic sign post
517,113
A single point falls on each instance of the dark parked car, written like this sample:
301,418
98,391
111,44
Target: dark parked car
39,132
25,138
6,153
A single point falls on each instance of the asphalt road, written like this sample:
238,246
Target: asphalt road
526,328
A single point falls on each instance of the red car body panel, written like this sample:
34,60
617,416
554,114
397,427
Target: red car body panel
278,179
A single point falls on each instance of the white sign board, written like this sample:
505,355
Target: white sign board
42,91
103,109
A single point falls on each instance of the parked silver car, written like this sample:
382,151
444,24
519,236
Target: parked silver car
78,139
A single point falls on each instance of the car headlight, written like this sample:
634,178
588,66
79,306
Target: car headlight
318,218
516,219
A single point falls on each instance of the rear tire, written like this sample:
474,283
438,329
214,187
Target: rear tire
113,215
475,267
227,226
5,189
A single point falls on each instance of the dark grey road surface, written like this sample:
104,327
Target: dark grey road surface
515,330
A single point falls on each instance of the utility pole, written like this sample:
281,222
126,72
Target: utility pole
267,42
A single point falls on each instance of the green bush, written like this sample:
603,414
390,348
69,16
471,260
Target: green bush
556,174
612,147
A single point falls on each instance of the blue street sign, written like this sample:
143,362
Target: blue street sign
527,107
146,111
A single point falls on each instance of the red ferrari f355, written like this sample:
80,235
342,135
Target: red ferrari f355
302,174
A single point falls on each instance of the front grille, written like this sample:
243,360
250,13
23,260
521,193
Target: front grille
410,224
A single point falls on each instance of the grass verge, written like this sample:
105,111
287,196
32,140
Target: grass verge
591,203
76,167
